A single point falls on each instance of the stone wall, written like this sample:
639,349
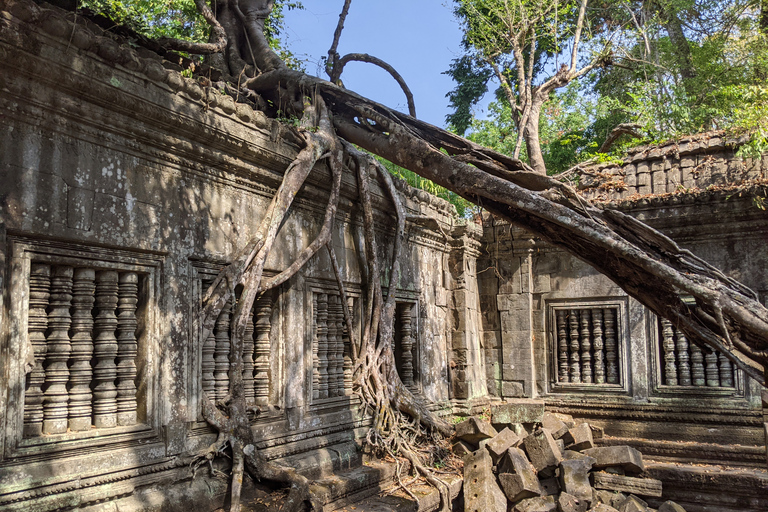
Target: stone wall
125,188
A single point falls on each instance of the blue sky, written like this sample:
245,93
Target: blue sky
419,38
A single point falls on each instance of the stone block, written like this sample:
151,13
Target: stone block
462,449
515,462
549,486
602,507
474,430
625,456
633,504
555,425
560,444
502,442
518,411
565,418
641,486
481,492
579,438
538,504
671,506
541,284
571,455
574,477
543,452
568,503
512,389
515,487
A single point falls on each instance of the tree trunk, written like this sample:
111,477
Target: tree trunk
531,134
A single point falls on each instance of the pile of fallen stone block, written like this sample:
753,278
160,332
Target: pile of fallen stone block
527,460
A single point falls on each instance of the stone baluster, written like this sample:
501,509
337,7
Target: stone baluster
711,369
668,345
339,347
562,346
105,350
55,403
726,371
127,348
221,352
586,347
315,348
332,377
80,372
208,363
406,345
248,360
697,366
322,344
611,347
598,345
348,364
262,350
573,322
683,359
39,293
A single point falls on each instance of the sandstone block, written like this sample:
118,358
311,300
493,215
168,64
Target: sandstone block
474,430
574,477
554,424
625,456
565,418
602,507
568,503
579,437
539,504
549,486
571,454
526,484
519,410
481,492
633,504
543,452
461,449
671,506
503,441
642,486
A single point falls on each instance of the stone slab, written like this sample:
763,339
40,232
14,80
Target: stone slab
579,437
671,506
641,486
569,503
503,441
633,504
543,452
474,430
574,477
625,456
539,504
481,492
602,507
526,484
521,410
554,424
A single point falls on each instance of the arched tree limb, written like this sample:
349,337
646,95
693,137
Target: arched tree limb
218,35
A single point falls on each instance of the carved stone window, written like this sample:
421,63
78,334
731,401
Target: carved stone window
257,350
79,346
587,341
684,367
331,351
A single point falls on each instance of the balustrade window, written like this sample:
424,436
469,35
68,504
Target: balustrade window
587,344
683,363
82,327
217,351
331,352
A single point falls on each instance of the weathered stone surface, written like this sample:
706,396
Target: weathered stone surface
462,449
549,486
625,456
602,507
565,418
474,430
569,503
481,492
571,454
515,487
574,477
555,425
519,410
633,504
539,504
671,506
642,486
502,442
525,484
542,451
579,437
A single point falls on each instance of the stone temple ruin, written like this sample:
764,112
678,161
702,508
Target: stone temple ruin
125,186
